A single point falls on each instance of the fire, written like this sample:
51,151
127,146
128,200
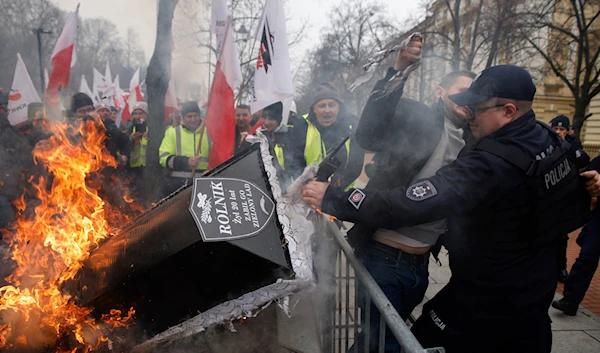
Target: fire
49,247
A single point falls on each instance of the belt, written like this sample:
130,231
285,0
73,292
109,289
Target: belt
413,259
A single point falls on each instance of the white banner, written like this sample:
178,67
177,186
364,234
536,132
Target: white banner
22,92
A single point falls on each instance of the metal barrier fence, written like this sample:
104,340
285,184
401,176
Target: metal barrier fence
592,149
342,319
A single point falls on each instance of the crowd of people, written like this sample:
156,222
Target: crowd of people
474,172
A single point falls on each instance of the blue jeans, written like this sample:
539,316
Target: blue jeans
403,283
586,264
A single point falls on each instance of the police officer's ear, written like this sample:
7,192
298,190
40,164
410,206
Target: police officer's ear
511,111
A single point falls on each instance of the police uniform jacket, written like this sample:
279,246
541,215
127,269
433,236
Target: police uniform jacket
487,203
403,133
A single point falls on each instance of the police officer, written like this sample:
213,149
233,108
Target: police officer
561,125
502,249
178,151
326,125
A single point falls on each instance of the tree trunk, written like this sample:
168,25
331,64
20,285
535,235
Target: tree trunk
157,80
580,115
457,39
473,39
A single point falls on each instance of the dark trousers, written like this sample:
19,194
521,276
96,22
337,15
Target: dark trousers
586,264
403,283
448,323
561,252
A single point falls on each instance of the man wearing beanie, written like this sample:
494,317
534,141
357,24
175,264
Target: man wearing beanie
117,142
325,127
81,105
506,198
138,143
184,148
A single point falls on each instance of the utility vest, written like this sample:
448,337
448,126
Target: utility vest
559,202
314,149
186,143
279,155
138,153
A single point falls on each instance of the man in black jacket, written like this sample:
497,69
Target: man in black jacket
502,255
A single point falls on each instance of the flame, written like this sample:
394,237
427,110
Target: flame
49,247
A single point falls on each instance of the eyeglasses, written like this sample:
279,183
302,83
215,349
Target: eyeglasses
474,111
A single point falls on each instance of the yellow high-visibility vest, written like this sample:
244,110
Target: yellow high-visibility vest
179,141
138,153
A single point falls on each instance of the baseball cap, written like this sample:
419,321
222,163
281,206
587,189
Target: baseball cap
502,81
561,121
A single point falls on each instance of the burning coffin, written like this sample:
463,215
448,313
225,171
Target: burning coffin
207,244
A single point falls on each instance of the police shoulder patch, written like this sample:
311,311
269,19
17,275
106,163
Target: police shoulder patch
356,198
421,191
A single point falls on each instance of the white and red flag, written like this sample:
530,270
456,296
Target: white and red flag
135,95
85,88
62,57
220,115
170,100
118,100
108,91
272,81
22,92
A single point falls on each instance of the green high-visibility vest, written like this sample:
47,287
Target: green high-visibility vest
138,154
314,148
279,154
179,141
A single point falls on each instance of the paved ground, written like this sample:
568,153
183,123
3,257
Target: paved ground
592,296
572,334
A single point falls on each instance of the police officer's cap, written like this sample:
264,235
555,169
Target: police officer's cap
502,81
561,121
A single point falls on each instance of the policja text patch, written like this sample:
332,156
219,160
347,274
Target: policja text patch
356,198
421,191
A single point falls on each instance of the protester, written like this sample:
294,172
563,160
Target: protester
272,117
243,124
35,129
35,111
398,259
138,142
502,251
81,105
323,129
184,148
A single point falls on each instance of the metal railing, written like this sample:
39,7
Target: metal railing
592,149
342,320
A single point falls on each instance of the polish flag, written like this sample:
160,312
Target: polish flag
85,88
61,60
22,92
170,100
135,95
220,116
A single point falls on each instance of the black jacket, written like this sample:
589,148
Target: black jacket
331,136
581,156
403,134
116,140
